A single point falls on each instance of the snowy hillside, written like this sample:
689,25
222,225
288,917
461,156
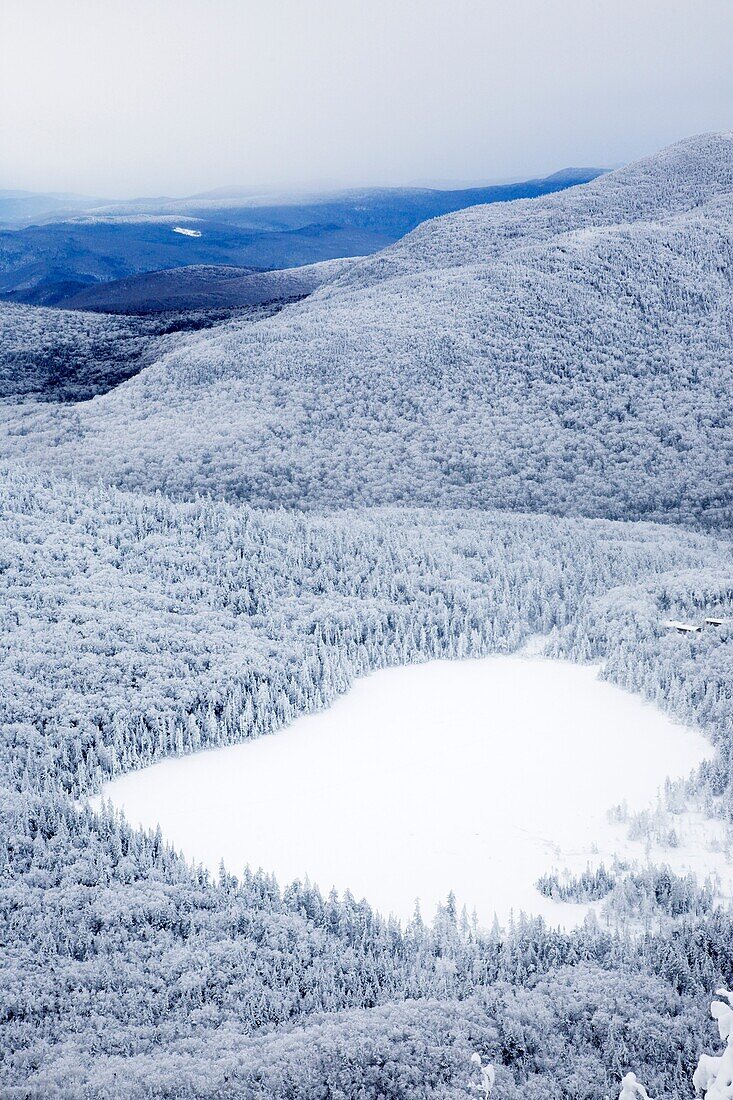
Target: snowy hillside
673,180
59,355
56,355
570,353
85,348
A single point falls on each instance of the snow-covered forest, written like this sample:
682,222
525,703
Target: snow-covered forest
138,627
187,561
59,355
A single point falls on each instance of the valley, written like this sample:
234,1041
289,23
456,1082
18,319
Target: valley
50,252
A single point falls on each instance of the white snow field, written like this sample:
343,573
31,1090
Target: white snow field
475,776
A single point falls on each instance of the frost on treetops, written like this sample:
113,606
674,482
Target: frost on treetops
713,1077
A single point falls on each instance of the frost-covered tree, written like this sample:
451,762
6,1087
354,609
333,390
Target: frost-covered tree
713,1077
487,1073
631,1089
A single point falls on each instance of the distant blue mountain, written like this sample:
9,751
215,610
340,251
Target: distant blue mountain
50,262
21,208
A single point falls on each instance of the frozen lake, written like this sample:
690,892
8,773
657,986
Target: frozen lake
476,776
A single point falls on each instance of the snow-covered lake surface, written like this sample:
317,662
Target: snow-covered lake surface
475,776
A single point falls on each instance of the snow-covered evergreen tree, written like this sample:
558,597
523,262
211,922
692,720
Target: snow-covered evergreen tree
713,1078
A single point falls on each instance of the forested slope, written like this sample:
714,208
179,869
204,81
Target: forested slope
568,354
133,627
55,355
51,355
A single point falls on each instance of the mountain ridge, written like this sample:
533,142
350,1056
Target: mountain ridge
566,354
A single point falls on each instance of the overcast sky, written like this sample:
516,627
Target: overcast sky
131,97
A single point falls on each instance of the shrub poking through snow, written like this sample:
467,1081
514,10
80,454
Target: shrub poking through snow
485,1086
631,1089
713,1077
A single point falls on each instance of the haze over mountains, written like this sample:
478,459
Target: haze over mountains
50,251
21,208
569,353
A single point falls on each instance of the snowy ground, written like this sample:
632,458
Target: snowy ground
475,776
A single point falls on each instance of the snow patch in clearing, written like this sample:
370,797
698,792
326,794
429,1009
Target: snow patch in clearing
475,776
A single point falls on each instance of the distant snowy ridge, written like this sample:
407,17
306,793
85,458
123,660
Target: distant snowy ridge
50,246
672,181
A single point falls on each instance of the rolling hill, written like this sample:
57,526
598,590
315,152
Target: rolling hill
570,353
203,286
21,208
